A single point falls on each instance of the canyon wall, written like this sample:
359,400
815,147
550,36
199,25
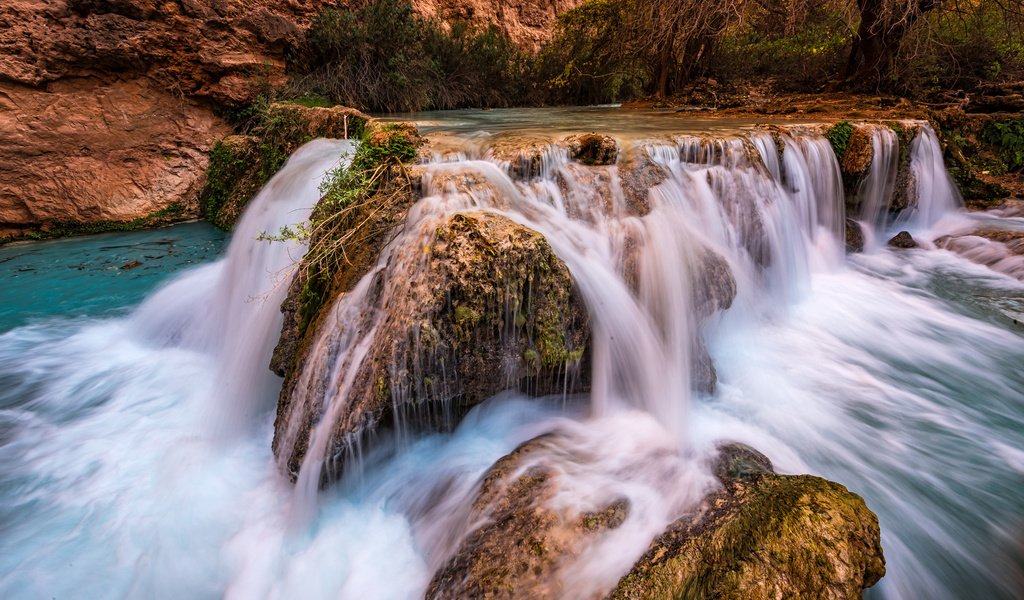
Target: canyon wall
106,106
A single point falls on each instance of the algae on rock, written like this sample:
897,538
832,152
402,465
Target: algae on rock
764,536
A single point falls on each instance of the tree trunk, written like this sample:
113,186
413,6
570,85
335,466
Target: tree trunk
876,43
664,70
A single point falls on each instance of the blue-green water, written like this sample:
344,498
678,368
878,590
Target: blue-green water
97,275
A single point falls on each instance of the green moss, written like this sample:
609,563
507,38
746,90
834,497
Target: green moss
58,229
389,142
225,169
777,536
839,136
311,101
343,191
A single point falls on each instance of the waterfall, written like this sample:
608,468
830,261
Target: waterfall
135,452
878,187
232,308
770,209
931,186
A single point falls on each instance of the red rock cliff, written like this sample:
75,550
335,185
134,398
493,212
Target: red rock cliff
105,105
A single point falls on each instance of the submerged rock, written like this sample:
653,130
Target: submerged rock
765,536
525,539
999,250
854,237
902,240
491,308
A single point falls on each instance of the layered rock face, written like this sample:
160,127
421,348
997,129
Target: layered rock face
86,151
105,105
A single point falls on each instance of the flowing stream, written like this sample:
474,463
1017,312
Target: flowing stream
135,455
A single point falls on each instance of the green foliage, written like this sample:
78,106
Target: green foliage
59,229
356,203
381,56
975,45
311,101
586,62
805,58
224,170
1008,137
839,136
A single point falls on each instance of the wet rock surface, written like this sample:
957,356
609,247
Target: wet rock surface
638,174
524,540
592,149
854,237
902,240
489,307
763,536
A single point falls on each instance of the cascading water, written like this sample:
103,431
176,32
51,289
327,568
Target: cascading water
115,485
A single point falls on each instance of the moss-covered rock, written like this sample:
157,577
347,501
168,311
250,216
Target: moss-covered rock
855,160
975,158
240,165
524,540
486,306
765,536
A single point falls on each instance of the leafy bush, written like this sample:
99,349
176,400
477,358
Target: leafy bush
586,61
1008,136
383,57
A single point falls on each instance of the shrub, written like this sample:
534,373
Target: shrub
382,57
1008,137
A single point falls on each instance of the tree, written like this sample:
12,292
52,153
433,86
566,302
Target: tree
677,35
883,26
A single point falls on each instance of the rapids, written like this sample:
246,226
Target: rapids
135,452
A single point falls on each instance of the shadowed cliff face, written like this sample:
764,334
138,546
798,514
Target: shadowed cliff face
105,105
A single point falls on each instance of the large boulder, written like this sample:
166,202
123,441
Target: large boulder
488,307
524,538
760,535
764,536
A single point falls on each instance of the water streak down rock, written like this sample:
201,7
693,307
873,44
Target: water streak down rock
760,536
764,536
482,305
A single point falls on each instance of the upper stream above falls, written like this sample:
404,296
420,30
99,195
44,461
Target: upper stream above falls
710,256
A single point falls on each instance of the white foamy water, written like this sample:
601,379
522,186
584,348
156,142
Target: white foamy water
135,453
